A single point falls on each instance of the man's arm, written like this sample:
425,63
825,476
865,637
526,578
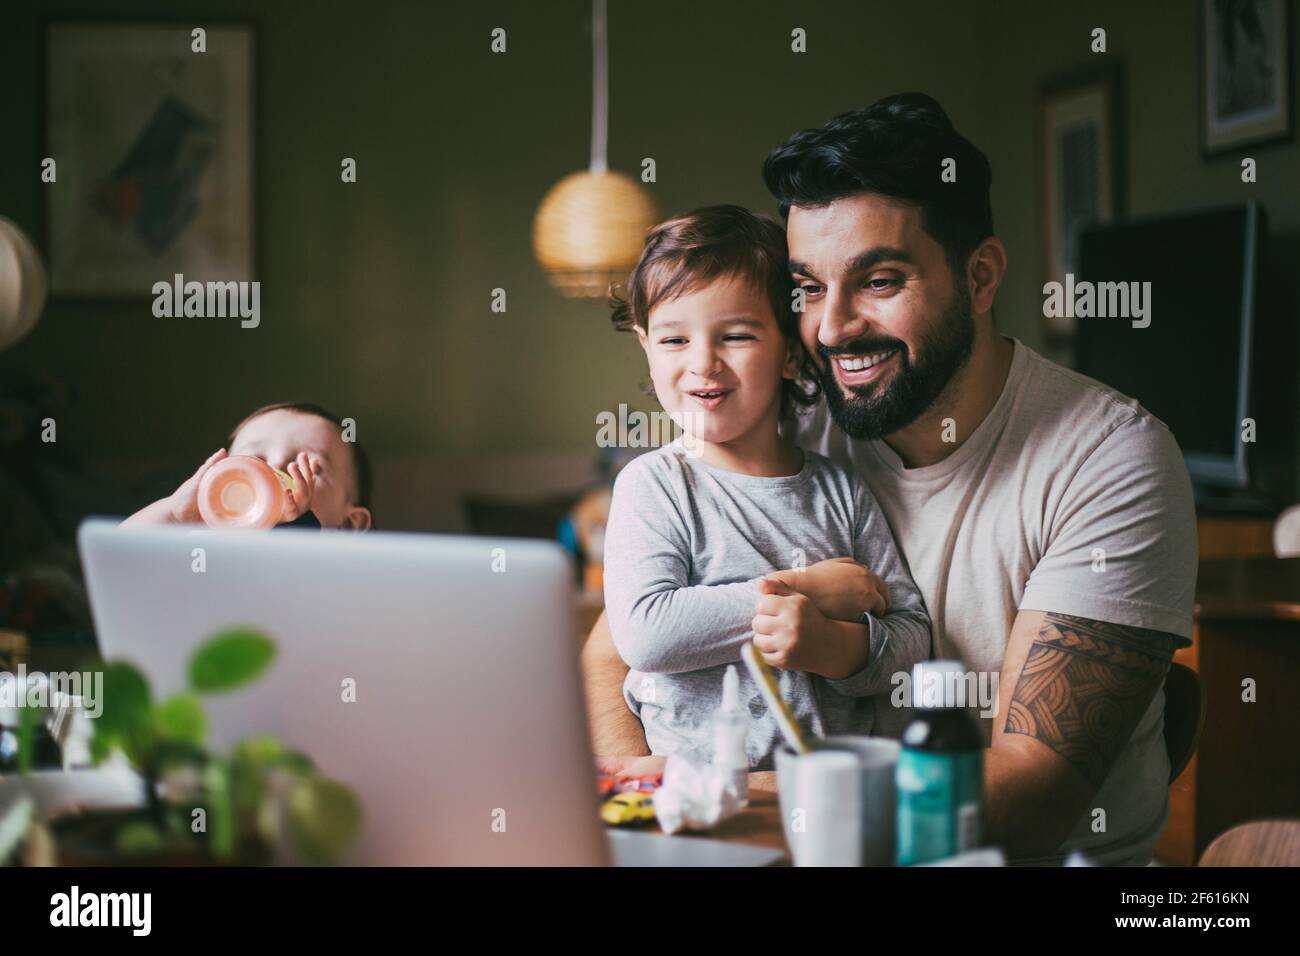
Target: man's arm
614,728
1071,693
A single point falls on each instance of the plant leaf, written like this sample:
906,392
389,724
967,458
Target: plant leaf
324,818
138,837
258,751
126,716
296,761
181,718
221,820
28,719
230,659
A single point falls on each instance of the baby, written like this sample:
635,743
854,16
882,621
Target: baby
729,534
331,477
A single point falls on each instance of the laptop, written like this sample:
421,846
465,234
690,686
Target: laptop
436,675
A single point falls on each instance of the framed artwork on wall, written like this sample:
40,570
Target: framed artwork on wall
153,145
1080,172
1246,77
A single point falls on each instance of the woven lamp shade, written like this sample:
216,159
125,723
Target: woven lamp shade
589,231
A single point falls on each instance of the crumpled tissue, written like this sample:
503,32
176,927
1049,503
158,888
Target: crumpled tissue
694,796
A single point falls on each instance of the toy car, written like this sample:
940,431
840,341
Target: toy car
628,809
645,783
607,784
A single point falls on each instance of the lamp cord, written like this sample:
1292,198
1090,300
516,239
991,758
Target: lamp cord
599,88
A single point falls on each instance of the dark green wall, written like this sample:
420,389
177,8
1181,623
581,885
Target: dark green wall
1163,167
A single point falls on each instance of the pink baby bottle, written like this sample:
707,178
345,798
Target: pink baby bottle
243,492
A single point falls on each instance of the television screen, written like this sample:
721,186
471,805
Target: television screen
1187,358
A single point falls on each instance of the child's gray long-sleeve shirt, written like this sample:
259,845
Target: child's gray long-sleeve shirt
685,542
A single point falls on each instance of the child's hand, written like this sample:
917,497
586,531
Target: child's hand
792,634
183,505
630,766
840,587
303,470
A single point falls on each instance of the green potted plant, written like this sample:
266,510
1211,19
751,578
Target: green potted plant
261,801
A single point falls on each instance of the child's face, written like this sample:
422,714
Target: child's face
277,437
717,359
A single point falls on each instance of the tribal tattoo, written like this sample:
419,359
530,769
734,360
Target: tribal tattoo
1084,687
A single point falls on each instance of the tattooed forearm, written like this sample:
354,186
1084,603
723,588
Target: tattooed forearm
1085,686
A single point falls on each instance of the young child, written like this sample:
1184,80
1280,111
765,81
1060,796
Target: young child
331,477
729,533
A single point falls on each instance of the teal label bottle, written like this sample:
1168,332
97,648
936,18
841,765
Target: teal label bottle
940,777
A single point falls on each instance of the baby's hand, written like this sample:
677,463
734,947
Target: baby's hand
297,502
184,501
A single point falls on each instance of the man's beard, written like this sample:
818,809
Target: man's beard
867,412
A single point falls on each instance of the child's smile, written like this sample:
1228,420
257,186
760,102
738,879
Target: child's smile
710,398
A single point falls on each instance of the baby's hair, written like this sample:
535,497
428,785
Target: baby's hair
687,252
360,459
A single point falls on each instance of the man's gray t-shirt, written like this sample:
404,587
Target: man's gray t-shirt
1069,497
684,543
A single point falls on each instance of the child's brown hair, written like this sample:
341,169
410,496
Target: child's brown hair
683,253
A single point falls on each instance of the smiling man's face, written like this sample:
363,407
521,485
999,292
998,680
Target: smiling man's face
886,321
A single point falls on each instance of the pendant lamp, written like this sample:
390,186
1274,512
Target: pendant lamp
590,227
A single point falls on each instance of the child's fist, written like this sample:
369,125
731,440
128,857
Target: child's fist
788,628
792,634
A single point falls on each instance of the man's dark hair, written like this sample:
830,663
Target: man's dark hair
360,459
895,147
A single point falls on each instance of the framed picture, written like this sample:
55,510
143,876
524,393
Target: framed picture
1245,73
153,145
1080,123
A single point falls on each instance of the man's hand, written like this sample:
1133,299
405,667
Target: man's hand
841,588
792,634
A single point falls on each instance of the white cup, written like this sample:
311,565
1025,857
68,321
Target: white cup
825,819
875,797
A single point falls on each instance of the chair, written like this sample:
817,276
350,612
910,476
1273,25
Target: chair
1259,843
1184,716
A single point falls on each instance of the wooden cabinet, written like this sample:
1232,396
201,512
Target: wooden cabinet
1234,537
1247,628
